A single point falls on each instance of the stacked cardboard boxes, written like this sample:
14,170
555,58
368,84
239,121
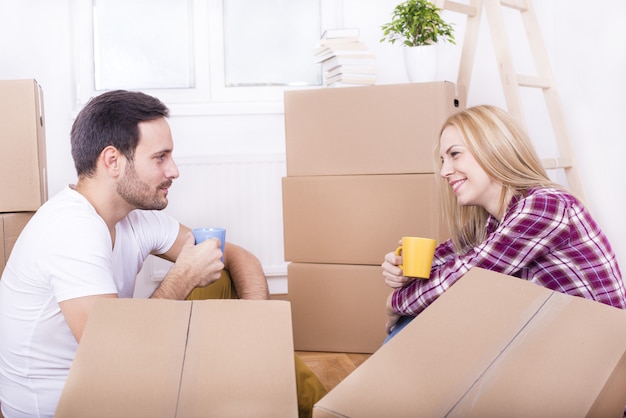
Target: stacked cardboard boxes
360,175
11,225
23,182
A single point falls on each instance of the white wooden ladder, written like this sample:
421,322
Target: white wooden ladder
511,82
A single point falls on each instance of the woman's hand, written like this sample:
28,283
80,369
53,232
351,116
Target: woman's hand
392,273
392,316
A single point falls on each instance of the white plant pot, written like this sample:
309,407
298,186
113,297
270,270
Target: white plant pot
420,63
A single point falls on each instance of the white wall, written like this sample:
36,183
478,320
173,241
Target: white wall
587,53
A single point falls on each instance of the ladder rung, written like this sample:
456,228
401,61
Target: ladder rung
531,81
515,4
455,6
553,163
511,81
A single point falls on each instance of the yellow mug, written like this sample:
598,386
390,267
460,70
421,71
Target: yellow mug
417,256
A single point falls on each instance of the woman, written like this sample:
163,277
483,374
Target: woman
505,215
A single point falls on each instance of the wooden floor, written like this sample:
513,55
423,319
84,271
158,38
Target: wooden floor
332,368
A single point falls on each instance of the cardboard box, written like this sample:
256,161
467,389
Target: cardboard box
23,178
494,346
357,219
11,225
338,308
163,358
385,129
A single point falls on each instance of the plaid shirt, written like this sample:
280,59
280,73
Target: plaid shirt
546,237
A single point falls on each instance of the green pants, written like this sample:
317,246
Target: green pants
309,388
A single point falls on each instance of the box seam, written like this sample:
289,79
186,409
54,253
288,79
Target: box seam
182,369
500,354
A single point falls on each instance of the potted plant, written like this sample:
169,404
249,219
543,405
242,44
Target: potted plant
418,25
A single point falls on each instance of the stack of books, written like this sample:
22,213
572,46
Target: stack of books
345,60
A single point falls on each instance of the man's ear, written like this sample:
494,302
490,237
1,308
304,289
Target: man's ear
111,160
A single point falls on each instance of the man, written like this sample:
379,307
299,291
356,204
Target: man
90,242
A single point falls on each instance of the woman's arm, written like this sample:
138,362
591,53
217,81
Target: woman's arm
532,227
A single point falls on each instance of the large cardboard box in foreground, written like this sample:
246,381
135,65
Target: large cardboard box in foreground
337,307
386,129
11,225
357,219
494,346
23,178
163,358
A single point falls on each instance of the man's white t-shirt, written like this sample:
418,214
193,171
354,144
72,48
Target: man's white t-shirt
64,252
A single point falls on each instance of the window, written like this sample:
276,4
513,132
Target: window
269,42
143,44
201,56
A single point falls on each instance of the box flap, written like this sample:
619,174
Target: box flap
129,361
492,345
559,363
241,365
429,368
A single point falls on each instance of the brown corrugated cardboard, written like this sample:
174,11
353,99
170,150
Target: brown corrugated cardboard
338,308
494,346
11,225
162,358
386,129
23,182
357,219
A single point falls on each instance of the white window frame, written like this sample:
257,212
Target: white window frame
210,95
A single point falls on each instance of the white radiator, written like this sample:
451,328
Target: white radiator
242,194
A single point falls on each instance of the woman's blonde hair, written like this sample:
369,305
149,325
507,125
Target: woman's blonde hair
505,152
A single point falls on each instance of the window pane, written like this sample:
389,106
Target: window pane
143,44
270,42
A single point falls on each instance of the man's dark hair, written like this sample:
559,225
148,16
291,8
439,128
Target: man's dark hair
111,119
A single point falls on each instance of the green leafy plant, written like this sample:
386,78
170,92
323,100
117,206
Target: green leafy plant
415,23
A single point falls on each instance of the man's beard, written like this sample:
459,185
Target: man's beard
139,194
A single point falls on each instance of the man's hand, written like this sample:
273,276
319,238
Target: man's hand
202,262
195,265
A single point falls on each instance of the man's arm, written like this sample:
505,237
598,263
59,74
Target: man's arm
76,311
204,260
246,272
194,265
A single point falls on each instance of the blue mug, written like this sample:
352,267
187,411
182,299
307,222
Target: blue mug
202,234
